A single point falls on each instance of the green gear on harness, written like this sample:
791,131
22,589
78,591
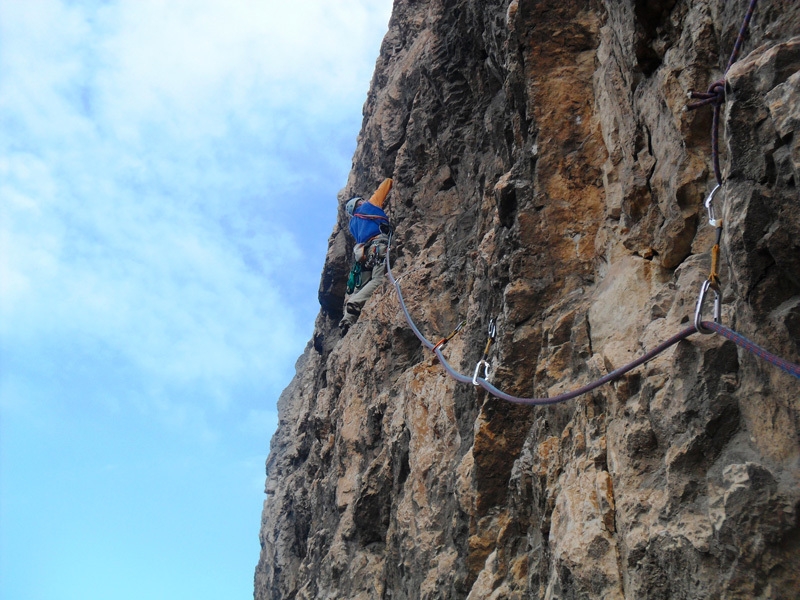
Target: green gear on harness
354,280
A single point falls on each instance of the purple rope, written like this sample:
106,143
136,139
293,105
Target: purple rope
616,374
715,95
740,340
612,376
715,143
737,338
425,342
742,32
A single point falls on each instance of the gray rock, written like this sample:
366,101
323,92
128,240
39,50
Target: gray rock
547,174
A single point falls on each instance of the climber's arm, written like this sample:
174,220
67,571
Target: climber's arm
379,197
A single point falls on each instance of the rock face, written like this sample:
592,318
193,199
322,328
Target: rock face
547,174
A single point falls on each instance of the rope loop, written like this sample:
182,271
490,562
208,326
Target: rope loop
715,95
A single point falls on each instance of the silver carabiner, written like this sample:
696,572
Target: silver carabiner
485,366
698,311
712,220
492,329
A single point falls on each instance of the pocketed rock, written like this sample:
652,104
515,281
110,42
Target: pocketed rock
546,174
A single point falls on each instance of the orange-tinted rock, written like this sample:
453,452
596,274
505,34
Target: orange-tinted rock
547,175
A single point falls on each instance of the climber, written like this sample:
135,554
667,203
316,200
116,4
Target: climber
371,228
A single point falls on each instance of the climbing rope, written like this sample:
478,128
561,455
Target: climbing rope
483,382
715,95
743,342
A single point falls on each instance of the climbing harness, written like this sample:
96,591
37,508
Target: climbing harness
376,250
371,252
365,257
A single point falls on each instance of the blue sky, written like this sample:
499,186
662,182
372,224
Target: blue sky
168,180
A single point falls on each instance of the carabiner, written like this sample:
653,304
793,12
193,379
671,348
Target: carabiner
698,311
712,220
483,362
485,365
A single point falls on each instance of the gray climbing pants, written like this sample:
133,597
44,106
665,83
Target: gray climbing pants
354,304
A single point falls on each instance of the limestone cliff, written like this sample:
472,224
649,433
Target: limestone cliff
547,174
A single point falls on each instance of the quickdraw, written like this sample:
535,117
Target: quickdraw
444,340
715,96
484,362
712,283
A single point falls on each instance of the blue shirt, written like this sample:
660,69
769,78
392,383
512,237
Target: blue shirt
364,229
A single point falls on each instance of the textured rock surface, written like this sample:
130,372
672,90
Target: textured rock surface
547,174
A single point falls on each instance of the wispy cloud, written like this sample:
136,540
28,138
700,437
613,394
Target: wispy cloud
154,210
168,174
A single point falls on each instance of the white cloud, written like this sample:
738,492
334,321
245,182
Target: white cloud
188,64
150,155
168,173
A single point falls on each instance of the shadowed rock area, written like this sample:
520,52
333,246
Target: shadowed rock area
547,174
